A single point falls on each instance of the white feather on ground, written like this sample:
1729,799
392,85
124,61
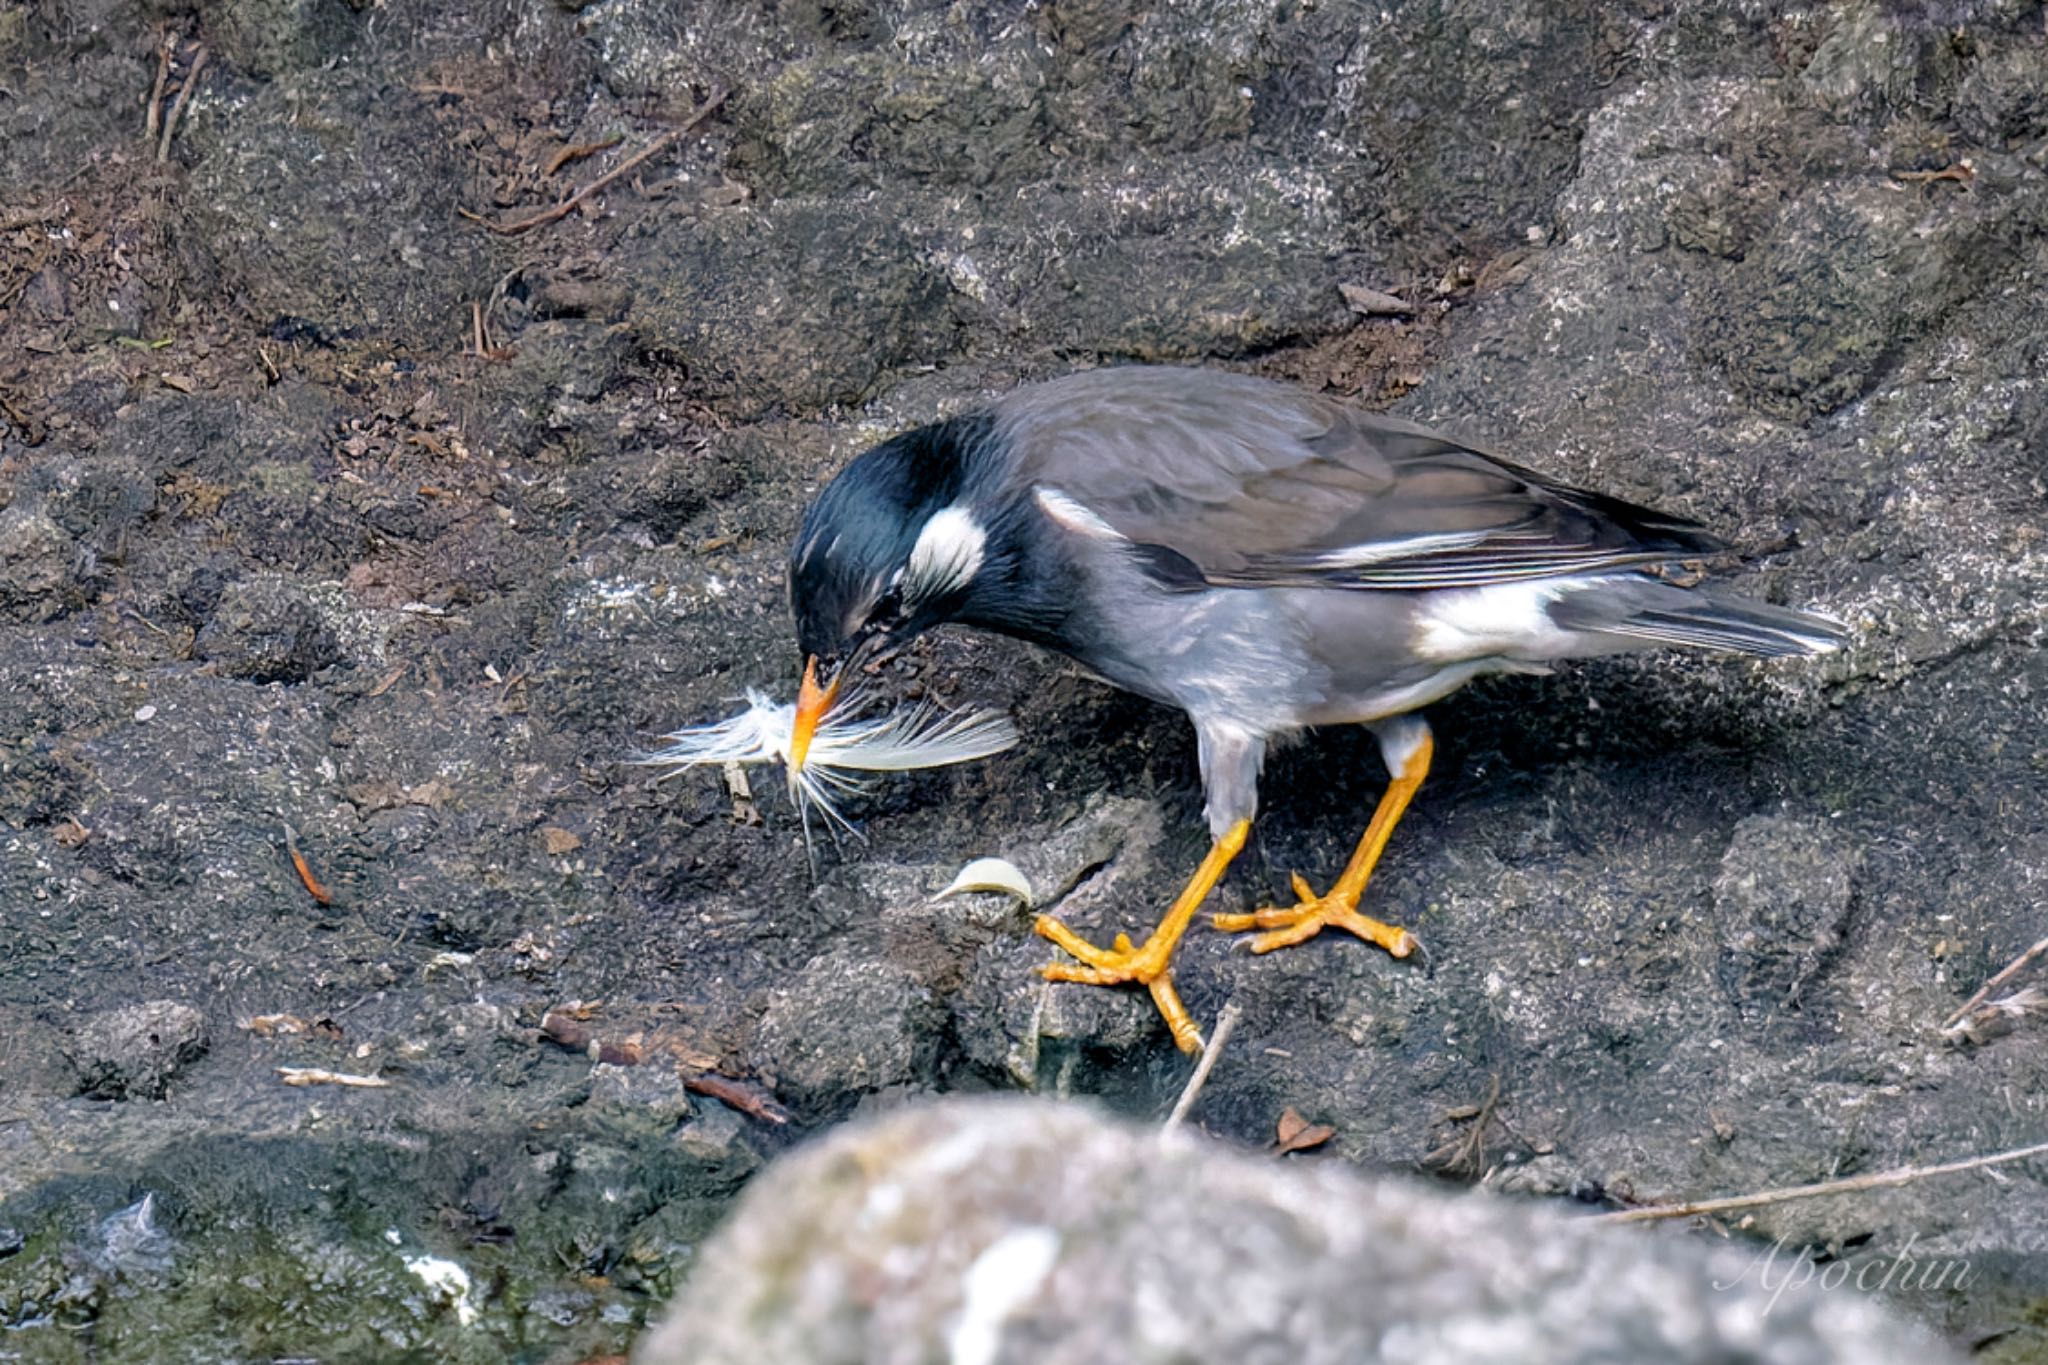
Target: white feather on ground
846,745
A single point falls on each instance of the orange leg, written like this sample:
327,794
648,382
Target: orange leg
1299,923
1148,964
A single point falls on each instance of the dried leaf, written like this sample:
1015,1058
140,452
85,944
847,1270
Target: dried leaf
1375,302
433,792
1291,1124
1315,1135
558,841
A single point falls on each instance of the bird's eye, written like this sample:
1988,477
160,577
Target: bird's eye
888,609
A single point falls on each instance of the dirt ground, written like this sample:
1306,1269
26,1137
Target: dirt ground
344,511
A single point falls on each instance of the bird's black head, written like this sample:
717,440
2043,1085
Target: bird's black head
893,545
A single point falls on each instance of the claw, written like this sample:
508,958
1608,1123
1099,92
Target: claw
1146,964
1302,922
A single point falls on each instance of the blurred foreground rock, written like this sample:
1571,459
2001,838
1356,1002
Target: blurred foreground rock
986,1231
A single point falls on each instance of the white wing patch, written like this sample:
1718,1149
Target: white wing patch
947,555
1379,551
1510,619
1073,515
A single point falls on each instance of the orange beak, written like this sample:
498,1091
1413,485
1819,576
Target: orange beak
812,702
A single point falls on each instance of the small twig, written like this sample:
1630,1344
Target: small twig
28,276
1903,1175
15,414
1225,1022
153,120
313,1075
1962,172
577,151
35,216
1465,1154
478,340
163,148
2012,969
568,205
734,1095
313,885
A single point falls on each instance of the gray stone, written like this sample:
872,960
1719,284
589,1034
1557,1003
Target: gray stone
1771,268
136,1052
1782,905
651,1095
270,38
1008,1231
267,630
273,219
37,563
846,1024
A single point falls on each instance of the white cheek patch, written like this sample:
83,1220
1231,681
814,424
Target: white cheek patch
947,555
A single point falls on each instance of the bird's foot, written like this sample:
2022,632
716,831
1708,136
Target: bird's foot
1113,966
1302,922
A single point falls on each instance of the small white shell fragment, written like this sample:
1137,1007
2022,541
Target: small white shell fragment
991,874
447,1281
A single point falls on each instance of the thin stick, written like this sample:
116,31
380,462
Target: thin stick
153,122
566,206
1225,1022
1903,1175
314,888
34,216
314,1075
580,150
2012,969
163,148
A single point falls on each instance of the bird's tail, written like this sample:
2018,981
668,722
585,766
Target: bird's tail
1662,614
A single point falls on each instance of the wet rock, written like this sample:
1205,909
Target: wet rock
1098,874
868,117
272,216
37,561
2003,101
270,38
636,1096
665,49
267,630
74,77
1810,314
1666,251
846,1024
136,1052
543,395
1782,904
717,1138
96,503
133,1242
803,303
1015,1231
1870,64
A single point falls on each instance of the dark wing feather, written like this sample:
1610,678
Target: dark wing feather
1258,483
